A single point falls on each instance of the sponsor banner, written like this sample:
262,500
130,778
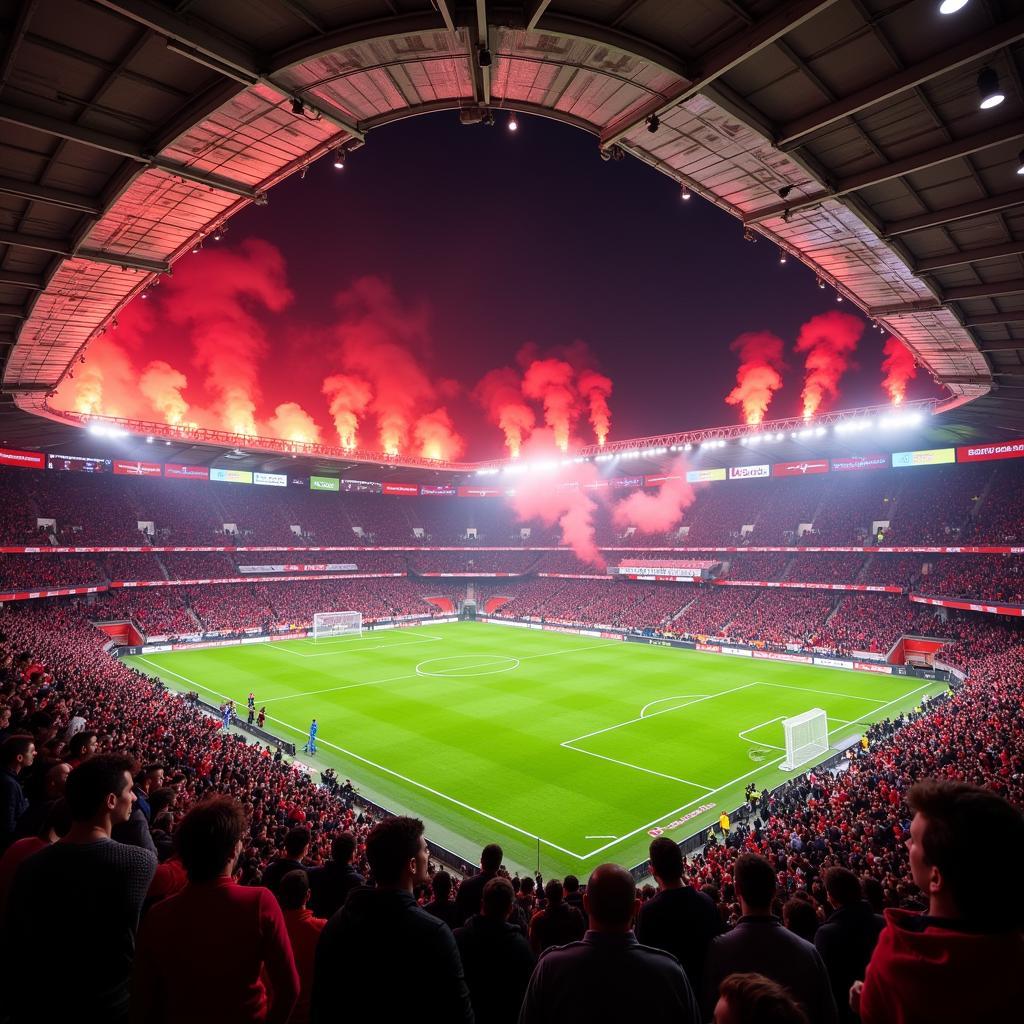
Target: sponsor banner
25,460
833,662
657,481
122,468
703,476
749,472
740,652
437,491
873,666
564,575
661,579
680,822
357,486
590,485
231,476
924,457
460,575
985,452
621,482
176,471
78,464
270,479
610,636
971,606
806,468
299,481
793,585
324,483
801,659
31,595
403,490
255,579
479,492
154,648
329,567
853,463
710,648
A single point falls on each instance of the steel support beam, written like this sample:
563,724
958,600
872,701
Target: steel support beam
962,256
983,291
722,59
984,319
445,11
905,309
1009,345
49,196
964,211
64,247
214,181
534,12
483,40
33,282
15,312
979,46
995,136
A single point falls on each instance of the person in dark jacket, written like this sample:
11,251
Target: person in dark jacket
467,899
331,884
296,843
442,906
679,919
382,944
609,976
495,956
848,938
17,753
760,944
557,924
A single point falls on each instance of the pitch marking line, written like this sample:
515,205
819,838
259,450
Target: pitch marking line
366,635
427,639
681,696
380,767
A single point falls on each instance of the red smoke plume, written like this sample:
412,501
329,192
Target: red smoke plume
162,386
292,423
657,513
550,381
222,299
829,340
758,377
596,389
349,398
105,385
437,436
899,369
500,394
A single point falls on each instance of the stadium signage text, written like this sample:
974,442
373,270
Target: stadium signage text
176,471
749,472
78,464
924,457
857,462
270,479
800,468
403,490
704,476
982,453
324,483
680,822
122,468
231,476
24,460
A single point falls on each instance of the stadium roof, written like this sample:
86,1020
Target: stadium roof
846,131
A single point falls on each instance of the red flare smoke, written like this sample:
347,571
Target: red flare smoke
758,377
657,513
500,394
829,340
105,385
899,369
596,388
349,398
162,386
291,422
437,437
550,381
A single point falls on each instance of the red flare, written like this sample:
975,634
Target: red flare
500,394
828,340
437,436
758,377
596,388
349,398
291,422
899,368
550,381
162,385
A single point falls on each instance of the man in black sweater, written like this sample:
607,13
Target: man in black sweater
331,884
467,899
383,954
86,880
679,920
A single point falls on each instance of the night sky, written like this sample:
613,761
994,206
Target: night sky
504,238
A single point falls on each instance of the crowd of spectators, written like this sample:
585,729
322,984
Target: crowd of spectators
23,572
988,577
825,568
781,617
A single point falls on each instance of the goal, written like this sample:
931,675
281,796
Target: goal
806,738
330,624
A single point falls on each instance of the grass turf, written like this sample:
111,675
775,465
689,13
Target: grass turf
560,747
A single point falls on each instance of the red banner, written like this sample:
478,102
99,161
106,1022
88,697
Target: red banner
24,460
29,595
138,468
175,471
858,462
971,606
806,468
403,490
985,452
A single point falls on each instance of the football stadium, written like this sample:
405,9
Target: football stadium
512,513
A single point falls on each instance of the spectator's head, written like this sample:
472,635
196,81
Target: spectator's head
18,752
526,887
343,848
441,886
611,899
296,843
83,744
162,799
666,862
755,883
571,885
842,887
151,777
99,791
57,779
799,917
553,893
755,999
497,899
397,853
490,858
961,838
293,892
209,838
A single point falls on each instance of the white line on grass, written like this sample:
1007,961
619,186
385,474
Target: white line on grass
365,635
678,696
824,693
599,837
375,647
639,768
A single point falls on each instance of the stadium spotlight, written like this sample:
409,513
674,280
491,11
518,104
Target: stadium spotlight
748,235
782,257
149,440
952,6
653,123
818,281
483,57
685,193
339,159
1020,162
197,246
687,447
783,192
297,107
513,124
219,232
988,89
839,297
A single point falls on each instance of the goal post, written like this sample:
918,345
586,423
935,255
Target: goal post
806,738
333,624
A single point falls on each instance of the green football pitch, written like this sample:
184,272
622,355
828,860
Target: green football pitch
565,749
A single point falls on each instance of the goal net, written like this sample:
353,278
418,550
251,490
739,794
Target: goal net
331,624
806,738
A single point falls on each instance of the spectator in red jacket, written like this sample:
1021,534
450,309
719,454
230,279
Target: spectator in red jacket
960,960
204,953
304,932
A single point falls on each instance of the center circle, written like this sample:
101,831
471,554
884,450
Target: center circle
464,666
